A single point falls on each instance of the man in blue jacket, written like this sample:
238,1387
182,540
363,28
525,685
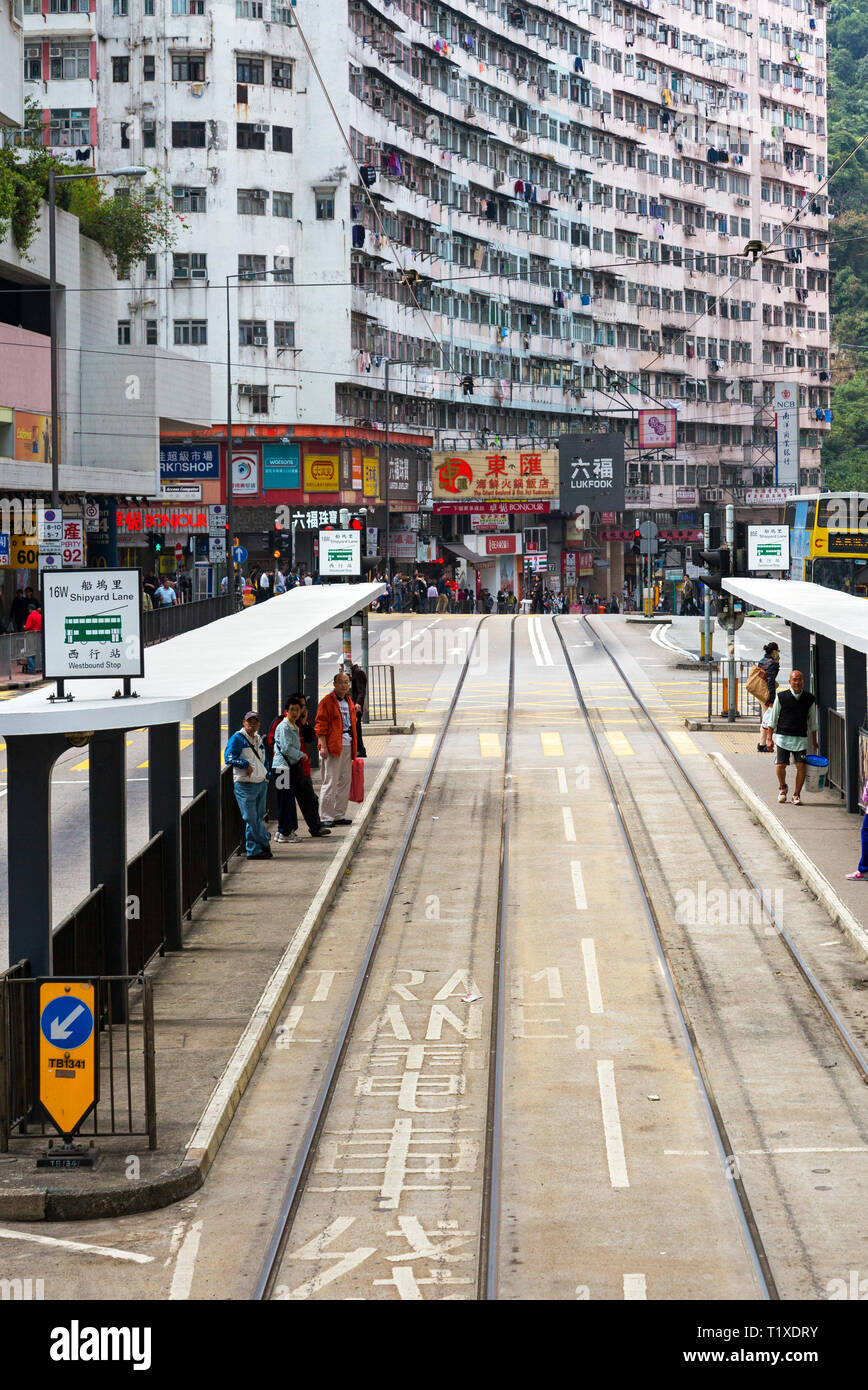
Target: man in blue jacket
247,756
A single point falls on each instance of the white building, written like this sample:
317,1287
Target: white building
11,73
560,195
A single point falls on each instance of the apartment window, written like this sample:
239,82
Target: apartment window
189,265
120,69
189,199
151,332
188,67
69,128
250,137
68,61
188,6
250,70
148,67
281,74
119,7
325,207
188,135
149,9
284,269
149,134
190,332
281,138
67,7
252,202
281,204
123,332
251,267
284,335
32,62
252,333
151,266
258,398
248,9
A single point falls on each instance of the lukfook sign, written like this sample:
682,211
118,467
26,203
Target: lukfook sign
92,624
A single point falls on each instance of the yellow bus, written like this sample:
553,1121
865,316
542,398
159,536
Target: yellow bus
829,540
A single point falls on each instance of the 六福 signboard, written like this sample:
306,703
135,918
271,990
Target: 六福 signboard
513,480
92,624
592,471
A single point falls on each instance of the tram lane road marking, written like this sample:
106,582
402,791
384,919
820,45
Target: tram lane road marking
578,885
489,746
562,780
612,1125
423,745
569,826
78,1247
619,743
185,1265
552,745
682,742
635,1288
592,977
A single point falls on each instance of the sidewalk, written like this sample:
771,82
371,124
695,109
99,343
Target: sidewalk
215,1004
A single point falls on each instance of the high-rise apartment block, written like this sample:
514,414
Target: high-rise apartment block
537,211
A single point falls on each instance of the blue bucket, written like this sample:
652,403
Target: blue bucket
818,771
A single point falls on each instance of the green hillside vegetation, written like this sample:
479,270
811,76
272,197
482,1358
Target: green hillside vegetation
845,454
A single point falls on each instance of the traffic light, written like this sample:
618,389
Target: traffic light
467,384
155,540
739,559
717,564
635,548
357,524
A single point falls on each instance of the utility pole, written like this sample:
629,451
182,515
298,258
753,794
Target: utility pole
230,522
706,596
733,693
387,488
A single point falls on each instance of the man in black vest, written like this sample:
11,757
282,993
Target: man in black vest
794,717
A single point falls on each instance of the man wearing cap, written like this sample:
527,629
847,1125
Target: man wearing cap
246,755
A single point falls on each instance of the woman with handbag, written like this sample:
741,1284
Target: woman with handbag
769,665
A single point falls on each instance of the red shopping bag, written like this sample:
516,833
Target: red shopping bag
357,780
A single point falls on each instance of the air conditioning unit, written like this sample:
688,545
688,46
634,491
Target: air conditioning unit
521,136
260,194
260,340
246,390
260,129
377,103
498,179
688,230
470,113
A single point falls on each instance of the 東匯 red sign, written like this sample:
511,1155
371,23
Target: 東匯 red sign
501,545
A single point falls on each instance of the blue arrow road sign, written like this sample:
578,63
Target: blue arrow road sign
239,554
66,1022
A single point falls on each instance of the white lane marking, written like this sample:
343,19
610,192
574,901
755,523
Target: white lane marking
562,780
286,1031
578,885
612,1125
80,1247
660,637
635,1289
592,978
569,827
327,656
326,980
778,636
534,646
543,642
185,1265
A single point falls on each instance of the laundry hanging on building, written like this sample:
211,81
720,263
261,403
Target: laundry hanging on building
358,236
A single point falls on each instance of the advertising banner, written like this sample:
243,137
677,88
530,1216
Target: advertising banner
32,437
371,476
592,471
516,480
322,473
658,429
281,470
245,473
786,434
189,461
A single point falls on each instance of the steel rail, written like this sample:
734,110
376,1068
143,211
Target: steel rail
750,1228
489,1239
851,1046
304,1159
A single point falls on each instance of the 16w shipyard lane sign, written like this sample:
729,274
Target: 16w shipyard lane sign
92,624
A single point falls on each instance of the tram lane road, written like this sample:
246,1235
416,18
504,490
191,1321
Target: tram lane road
791,1099
598,1078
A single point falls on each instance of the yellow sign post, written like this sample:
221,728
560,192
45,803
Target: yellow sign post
68,1064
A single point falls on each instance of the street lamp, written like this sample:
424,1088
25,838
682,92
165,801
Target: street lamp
135,171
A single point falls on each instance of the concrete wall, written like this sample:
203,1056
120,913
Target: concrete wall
11,64
25,379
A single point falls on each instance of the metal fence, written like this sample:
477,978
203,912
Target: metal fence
126,1095
20,654
720,695
78,943
194,852
146,928
837,752
380,704
231,822
162,623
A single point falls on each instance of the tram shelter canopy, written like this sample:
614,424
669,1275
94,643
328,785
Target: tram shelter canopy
839,617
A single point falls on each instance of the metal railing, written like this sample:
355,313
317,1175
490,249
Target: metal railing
16,1053
836,751
146,927
78,943
162,623
20,654
194,853
231,823
747,707
126,1090
380,703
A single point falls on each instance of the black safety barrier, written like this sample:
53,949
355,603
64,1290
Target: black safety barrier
162,623
194,852
146,935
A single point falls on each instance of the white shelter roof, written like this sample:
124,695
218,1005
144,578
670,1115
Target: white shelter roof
193,672
840,617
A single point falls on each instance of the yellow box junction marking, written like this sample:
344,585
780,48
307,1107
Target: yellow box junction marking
552,745
683,742
489,746
620,744
422,745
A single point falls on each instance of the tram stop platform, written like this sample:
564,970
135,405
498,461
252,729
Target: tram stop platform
216,1004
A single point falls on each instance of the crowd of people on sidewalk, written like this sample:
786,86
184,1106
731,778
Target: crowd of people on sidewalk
283,756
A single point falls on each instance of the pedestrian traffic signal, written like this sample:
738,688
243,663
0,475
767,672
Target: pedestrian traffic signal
717,563
356,524
156,542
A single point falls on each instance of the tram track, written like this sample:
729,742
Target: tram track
488,1234
682,959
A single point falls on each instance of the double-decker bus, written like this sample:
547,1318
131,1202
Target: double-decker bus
829,540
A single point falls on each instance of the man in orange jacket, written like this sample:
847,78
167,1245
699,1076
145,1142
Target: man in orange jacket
335,727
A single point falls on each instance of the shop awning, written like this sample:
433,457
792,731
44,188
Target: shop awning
464,553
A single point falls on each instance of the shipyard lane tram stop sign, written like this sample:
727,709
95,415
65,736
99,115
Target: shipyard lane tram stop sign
68,1061
92,626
